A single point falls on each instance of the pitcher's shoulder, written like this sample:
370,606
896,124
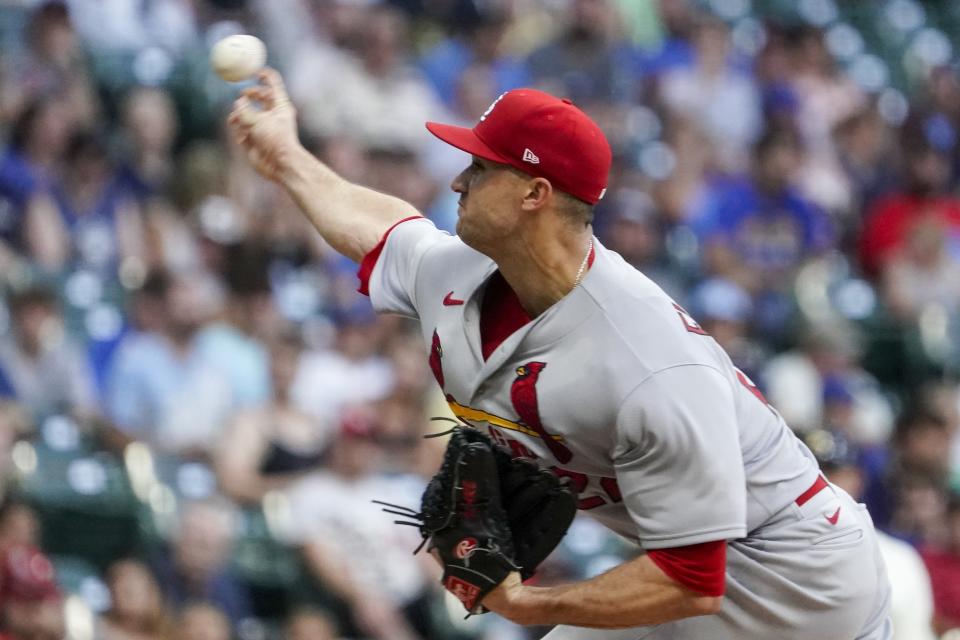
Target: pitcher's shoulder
646,324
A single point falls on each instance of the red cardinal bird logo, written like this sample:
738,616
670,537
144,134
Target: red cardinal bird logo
436,353
523,395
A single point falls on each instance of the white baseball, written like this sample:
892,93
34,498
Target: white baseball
237,57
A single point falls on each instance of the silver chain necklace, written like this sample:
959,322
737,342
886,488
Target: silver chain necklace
583,265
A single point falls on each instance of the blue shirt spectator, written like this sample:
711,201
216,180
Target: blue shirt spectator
173,399
672,53
588,62
18,181
444,64
41,366
36,140
244,359
164,388
196,566
767,231
760,223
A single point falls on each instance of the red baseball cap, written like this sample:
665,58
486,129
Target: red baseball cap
542,136
26,575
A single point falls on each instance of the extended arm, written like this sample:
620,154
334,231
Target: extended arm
351,218
632,594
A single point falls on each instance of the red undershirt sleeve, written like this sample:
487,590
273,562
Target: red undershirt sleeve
369,261
699,567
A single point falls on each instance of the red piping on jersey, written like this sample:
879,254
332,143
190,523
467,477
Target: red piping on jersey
501,312
698,567
370,260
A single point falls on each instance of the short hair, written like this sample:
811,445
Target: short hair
32,295
246,269
953,503
574,208
917,417
775,137
156,284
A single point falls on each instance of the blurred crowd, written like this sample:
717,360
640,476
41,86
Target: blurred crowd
197,407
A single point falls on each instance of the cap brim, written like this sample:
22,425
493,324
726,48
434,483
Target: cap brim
466,140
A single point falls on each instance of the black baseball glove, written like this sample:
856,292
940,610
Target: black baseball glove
486,515
539,505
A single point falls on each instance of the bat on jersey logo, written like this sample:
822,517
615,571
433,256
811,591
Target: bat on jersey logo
523,395
471,415
436,353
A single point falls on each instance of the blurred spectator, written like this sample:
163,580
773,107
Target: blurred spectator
401,422
760,223
89,220
29,163
943,562
31,605
136,606
935,109
758,229
120,26
591,61
905,498
19,525
266,448
479,44
865,148
232,342
149,130
824,369
202,621
14,424
309,624
629,226
376,98
719,99
826,96
349,544
923,199
679,194
48,372
352,372
180,226
196,568
52,62
675,49
412,381
923,441
911,601
922,273
161,389
920,507
399,171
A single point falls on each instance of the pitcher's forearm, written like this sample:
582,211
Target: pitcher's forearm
351,218
630,595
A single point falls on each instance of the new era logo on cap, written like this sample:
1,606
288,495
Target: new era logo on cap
572,152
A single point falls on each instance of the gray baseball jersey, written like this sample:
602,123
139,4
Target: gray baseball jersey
615,386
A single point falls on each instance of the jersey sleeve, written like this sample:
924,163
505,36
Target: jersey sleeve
698,567
678,462
388,274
